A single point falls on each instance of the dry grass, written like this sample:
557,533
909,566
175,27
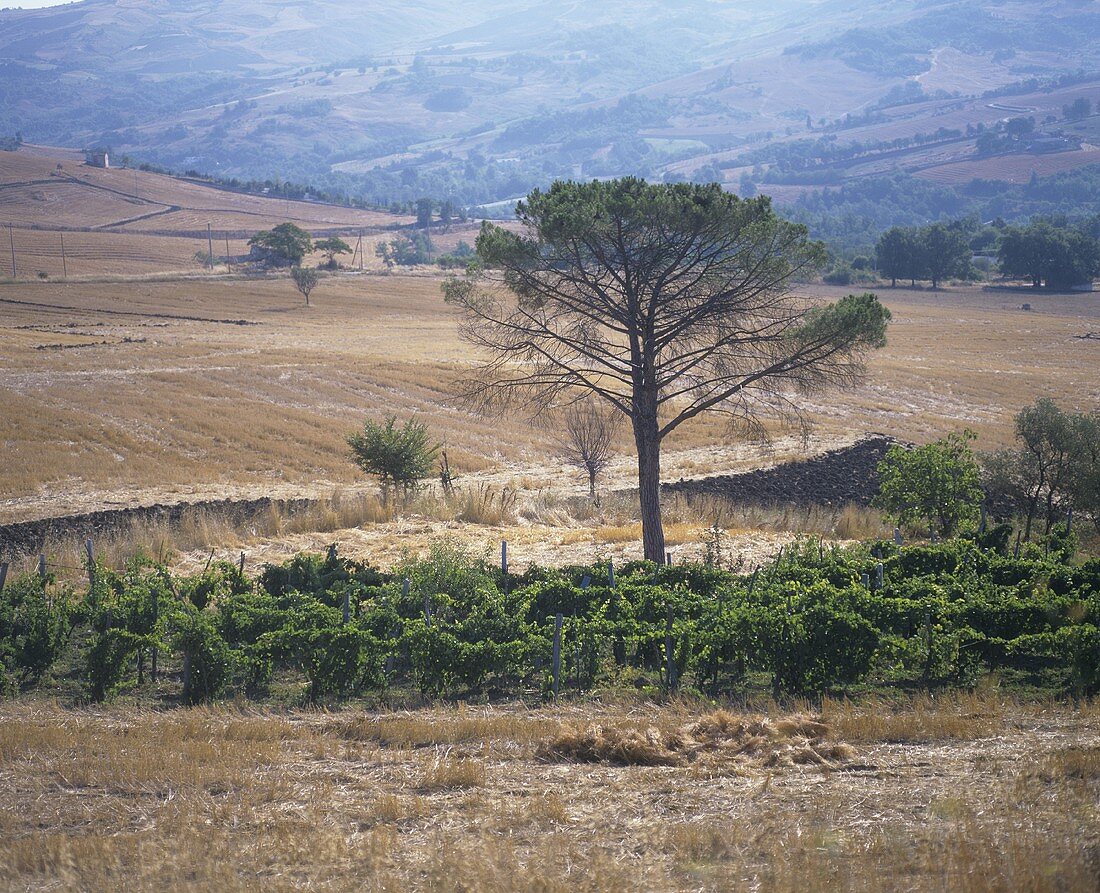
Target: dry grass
948,717
719,739
166,402
446,773
220,799
1081,763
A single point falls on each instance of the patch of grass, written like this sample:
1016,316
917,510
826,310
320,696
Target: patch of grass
444,772
950,717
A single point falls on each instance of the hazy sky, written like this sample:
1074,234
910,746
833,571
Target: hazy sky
32,4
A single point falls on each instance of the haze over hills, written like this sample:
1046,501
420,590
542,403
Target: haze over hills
478,102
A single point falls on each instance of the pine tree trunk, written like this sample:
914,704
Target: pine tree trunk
648,442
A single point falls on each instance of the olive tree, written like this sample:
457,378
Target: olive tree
938,484
665,301
1056,465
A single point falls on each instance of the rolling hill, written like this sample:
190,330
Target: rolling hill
67,217
480,101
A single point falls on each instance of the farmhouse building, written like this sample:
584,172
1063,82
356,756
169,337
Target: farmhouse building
98,159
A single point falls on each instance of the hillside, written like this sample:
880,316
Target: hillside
481,101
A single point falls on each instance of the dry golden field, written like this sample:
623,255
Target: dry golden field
963,794
134,392
121,391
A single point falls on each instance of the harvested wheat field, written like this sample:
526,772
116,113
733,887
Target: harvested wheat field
186,389
966,793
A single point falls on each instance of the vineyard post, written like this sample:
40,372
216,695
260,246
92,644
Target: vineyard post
504,563
879,575
1069,520
64,263
586,581
927,645
240,567
347,606
42,566
897,536
670,663
156,620
3,575
982,523
611,573
90,552
865,580
557,654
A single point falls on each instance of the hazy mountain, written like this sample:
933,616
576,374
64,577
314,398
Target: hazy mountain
480,100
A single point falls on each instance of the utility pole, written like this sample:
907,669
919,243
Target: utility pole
11,238
360,251
210,246
64,265
228,265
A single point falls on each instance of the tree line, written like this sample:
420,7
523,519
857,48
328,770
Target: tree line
1050,252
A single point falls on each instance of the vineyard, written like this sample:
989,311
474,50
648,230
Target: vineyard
819,619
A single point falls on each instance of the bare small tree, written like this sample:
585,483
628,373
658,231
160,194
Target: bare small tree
589,430
305,280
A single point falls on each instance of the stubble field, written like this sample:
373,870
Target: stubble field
966,794
137,392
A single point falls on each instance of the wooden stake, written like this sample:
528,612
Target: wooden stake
89,551
557,654
670,663
3,575
42,566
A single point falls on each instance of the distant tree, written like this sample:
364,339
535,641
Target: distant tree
446,213
330,247
399,456
589,430
1061,257
305,280
895,255
1078,109
944,253
938,484
404,250
1018,127
284,245
423,213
